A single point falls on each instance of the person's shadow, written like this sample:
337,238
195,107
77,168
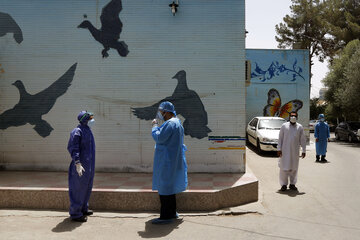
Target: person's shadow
157,231
291,193
66,226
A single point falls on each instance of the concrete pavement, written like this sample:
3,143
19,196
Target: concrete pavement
326,207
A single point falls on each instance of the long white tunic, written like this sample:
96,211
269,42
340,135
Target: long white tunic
290,139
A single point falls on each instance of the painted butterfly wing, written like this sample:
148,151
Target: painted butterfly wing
292,106
274,103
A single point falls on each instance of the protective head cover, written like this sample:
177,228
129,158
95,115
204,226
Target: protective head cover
321,117
84,116
167,107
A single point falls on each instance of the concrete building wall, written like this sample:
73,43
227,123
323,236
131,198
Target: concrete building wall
204,42
287,73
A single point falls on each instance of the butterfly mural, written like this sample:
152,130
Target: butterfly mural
274,108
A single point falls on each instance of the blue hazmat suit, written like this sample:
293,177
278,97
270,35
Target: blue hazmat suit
321,132
170,168
81,147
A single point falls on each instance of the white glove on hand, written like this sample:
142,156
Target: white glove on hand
79,169
154,122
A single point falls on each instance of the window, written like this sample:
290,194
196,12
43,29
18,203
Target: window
271,123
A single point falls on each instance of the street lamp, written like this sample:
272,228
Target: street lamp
174,6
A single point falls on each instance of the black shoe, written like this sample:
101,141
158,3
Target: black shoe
323,160
88,213
80,219
317,160
292,187
161,221
283,188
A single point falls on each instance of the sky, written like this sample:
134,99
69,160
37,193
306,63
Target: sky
261,18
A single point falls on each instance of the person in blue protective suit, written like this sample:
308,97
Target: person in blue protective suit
322,135
170,168
81,147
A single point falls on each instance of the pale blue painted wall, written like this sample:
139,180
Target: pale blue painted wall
285,70
206,39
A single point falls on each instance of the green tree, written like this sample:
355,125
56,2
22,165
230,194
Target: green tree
343,83
342,19
315,108
305,28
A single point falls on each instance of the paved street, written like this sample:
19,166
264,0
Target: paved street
326,207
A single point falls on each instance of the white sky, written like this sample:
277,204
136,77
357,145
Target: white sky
261,18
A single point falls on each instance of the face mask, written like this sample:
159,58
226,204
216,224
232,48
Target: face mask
322,119
91,123
293,119
159,116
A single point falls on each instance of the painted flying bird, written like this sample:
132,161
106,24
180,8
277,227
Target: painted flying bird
30,108
187,103
8,25
110,30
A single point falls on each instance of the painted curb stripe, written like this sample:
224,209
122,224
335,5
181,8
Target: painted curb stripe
226,138
227,148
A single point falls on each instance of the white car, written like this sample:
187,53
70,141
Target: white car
263,132
312,124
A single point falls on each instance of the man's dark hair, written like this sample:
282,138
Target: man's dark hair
293,112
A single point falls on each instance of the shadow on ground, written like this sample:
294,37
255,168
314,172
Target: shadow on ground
66,226
266,154
158,231
346,144
291,193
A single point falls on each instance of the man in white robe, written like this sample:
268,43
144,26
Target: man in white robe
291,136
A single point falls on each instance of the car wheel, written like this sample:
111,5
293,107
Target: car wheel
258,148
337,137
247,138
350,138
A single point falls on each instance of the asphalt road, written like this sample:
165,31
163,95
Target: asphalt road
326,207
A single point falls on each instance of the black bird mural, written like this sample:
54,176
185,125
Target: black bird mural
187,103
30,108
110,30
8,25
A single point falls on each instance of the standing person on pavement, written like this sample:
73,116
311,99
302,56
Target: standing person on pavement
81,147
170,168
322,135
291,136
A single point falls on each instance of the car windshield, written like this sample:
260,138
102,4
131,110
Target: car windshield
271,123
354,125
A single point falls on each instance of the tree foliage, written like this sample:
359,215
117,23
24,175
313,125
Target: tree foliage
323,27
315,108
342,19
304,27
343,83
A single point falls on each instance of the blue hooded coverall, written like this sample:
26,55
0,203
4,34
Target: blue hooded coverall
170,169
321,132
81,147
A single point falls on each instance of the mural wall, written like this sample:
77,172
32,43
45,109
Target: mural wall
279,84
119,59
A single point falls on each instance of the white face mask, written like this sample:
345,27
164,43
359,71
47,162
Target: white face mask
293,119
91,123
159,115
322,119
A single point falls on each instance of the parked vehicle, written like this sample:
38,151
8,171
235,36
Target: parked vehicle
263,132
312,124
347,131
358,134
332,127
